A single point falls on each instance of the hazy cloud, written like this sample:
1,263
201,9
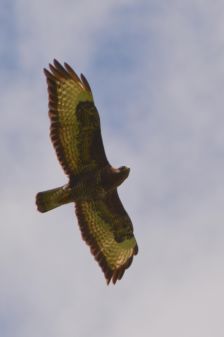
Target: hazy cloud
157,75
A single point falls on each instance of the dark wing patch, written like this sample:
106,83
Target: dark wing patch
107,229
75,125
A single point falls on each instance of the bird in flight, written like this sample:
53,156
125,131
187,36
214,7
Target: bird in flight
92,182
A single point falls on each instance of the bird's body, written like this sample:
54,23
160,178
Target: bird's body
92,186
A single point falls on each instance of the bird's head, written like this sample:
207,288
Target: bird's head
124,170
121,174
112,177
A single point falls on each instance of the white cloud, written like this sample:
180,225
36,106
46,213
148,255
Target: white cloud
171,137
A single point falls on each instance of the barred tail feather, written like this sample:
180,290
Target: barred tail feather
53,198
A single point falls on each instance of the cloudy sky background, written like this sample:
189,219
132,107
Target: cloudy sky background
157,72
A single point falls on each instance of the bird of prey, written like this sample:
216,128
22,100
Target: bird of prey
92,182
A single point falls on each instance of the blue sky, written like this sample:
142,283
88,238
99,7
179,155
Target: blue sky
157,74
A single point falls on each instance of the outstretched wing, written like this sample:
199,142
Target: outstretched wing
107,229
75,124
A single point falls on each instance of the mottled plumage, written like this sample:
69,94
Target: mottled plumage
76,136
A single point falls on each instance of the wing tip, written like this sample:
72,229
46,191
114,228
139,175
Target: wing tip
85,83
56,63
60,72
118,273
47,73
56,71
72,72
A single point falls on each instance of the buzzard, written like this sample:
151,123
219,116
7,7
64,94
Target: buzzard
92,182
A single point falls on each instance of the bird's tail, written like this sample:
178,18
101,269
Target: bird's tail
51,199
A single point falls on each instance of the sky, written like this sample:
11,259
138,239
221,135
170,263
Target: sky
156,69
